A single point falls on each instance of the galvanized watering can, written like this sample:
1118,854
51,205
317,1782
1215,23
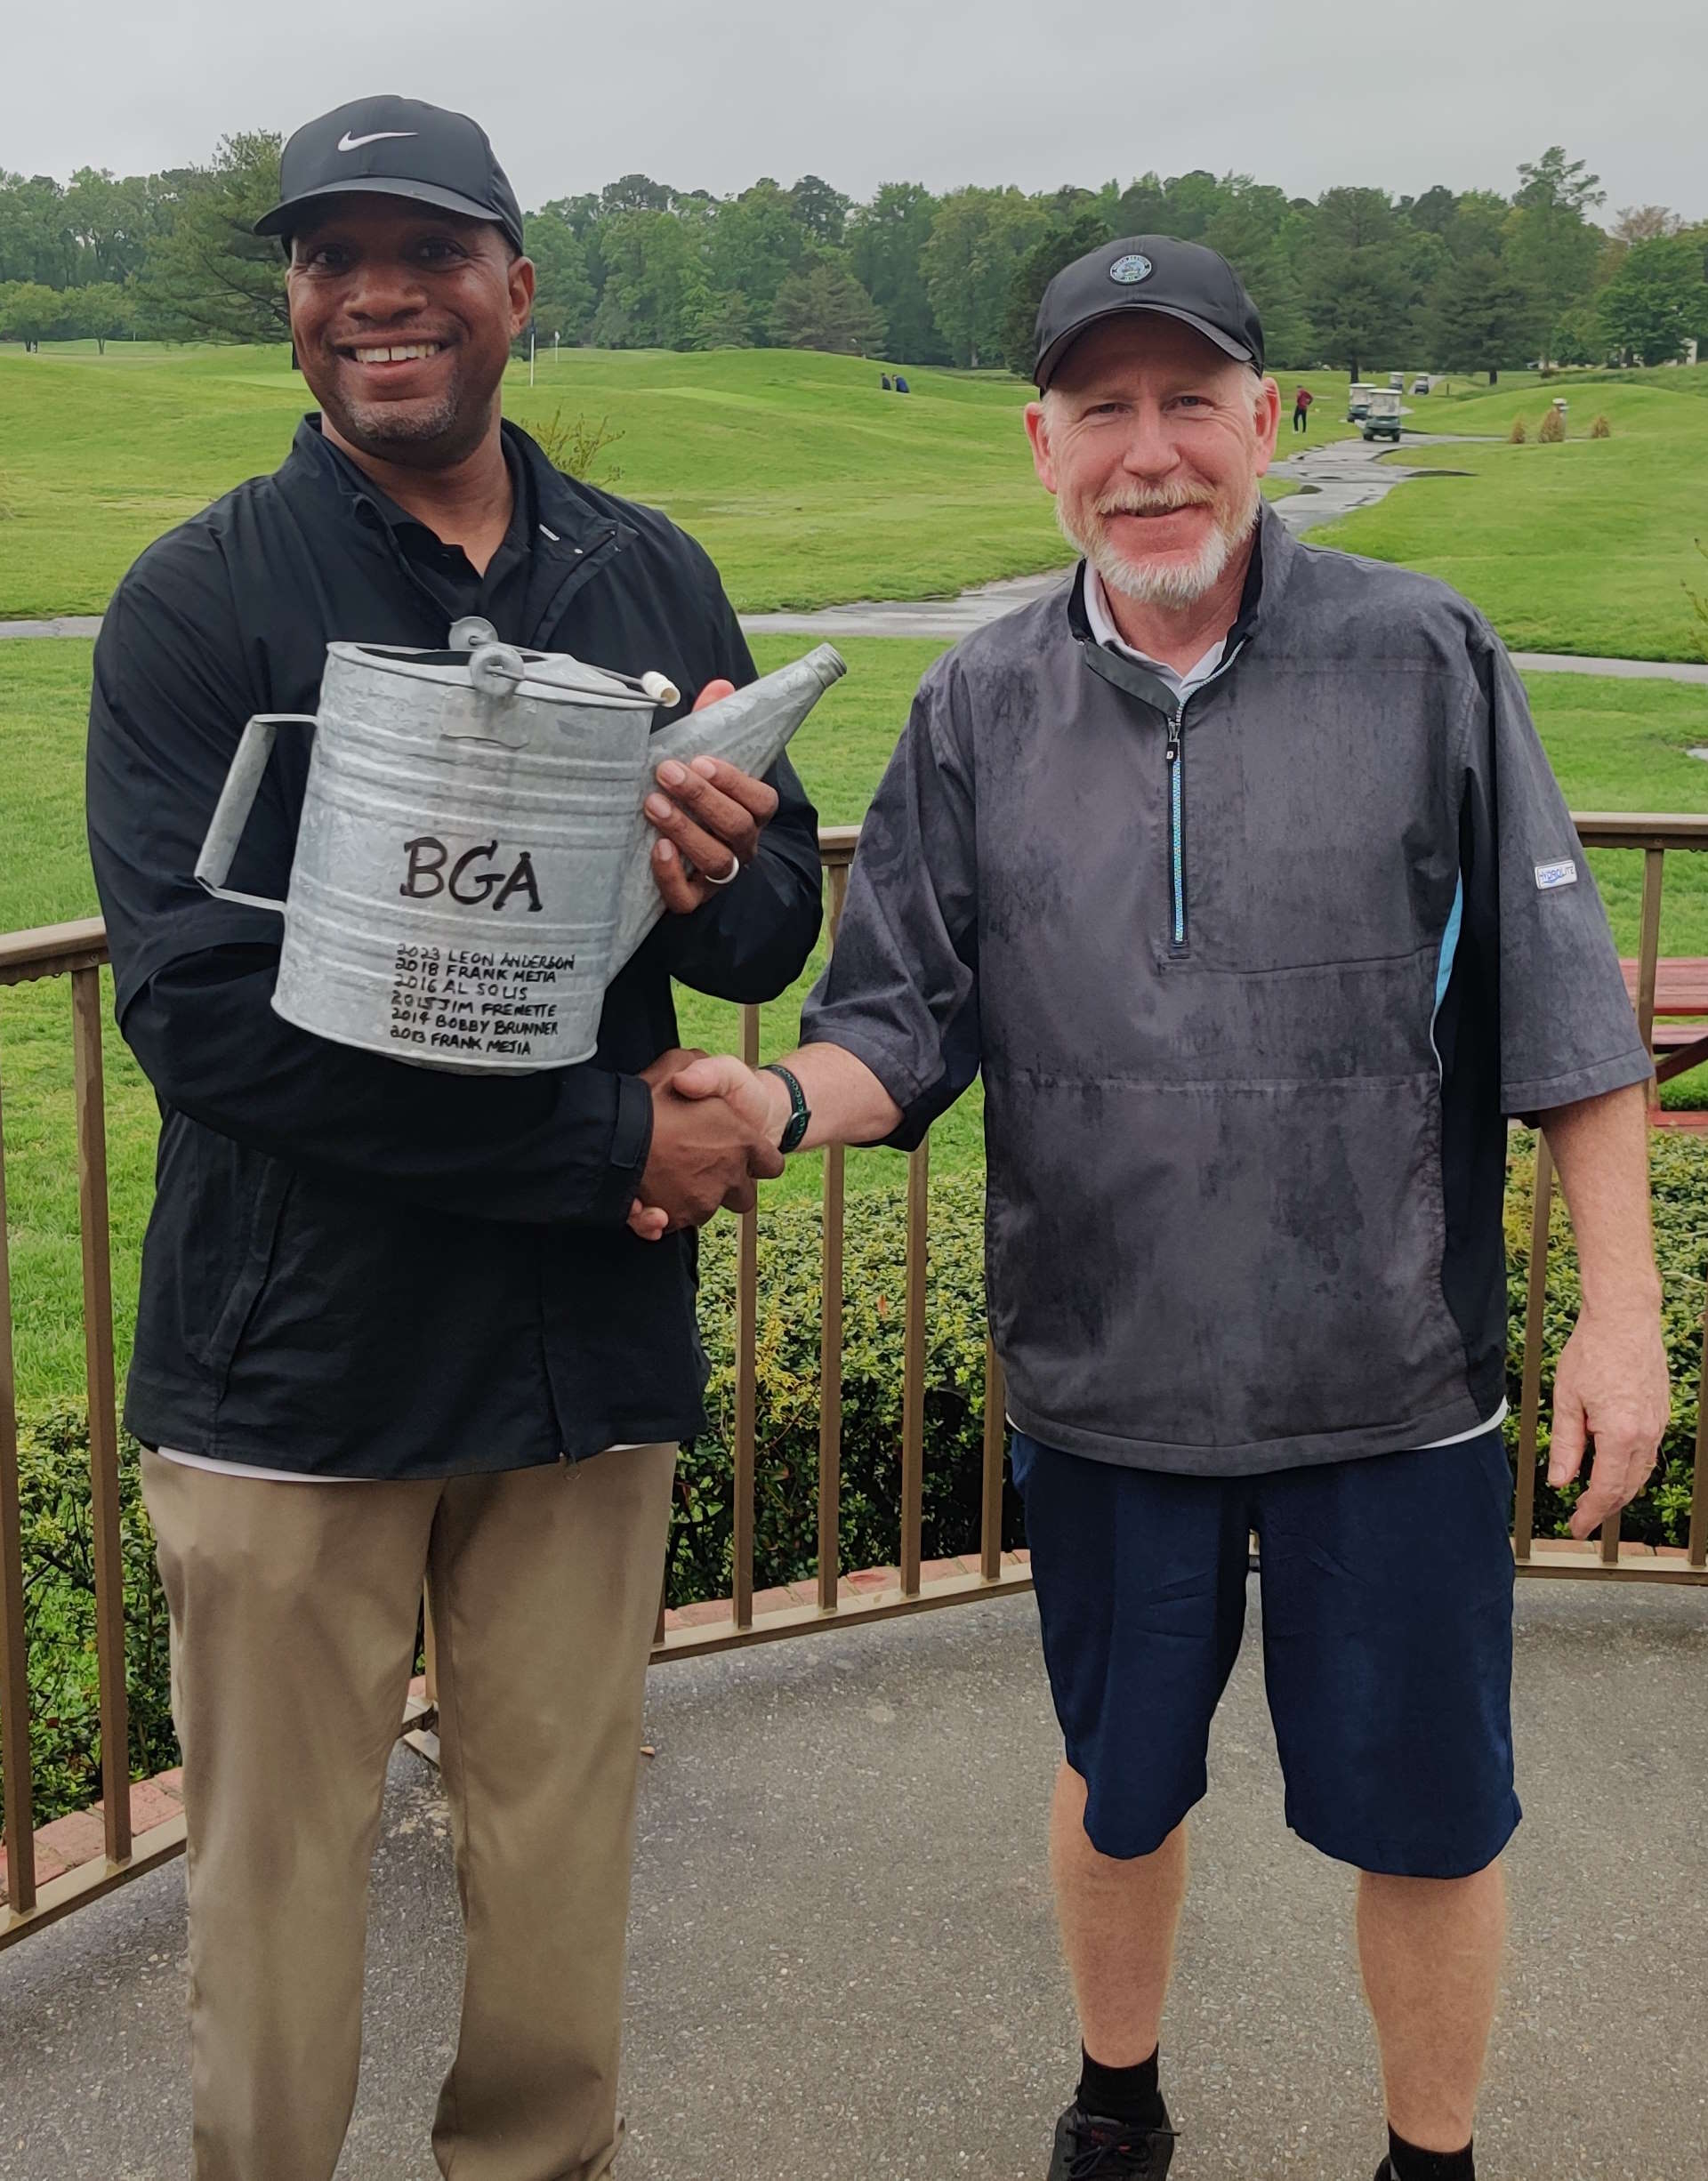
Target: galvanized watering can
472,862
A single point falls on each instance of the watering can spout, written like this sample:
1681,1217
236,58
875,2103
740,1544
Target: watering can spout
750,730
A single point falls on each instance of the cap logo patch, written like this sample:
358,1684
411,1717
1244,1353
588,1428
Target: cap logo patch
347,143
1129,270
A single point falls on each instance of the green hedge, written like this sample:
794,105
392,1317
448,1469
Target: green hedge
1677,1167
60,1615
57,1555
786,1514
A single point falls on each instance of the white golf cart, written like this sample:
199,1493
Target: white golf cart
1380,418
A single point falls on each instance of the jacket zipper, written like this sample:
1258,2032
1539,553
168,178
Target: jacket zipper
1175,759
1176,831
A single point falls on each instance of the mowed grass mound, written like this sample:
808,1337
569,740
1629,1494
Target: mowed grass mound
1586,547
1615,745
805,481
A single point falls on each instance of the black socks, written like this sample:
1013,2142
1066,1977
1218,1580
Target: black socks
1127,2093
1406,2162
1131,2093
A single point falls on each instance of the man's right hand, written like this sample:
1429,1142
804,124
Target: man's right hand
705,1157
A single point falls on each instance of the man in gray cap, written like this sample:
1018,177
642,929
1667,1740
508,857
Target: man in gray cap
392,1325
1236,869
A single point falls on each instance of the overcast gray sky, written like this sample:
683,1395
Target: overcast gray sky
1301,93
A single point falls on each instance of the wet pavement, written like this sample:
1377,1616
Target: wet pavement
844,1961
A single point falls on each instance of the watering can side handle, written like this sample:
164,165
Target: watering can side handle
237,800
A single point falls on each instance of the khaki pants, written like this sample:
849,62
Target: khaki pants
293,1613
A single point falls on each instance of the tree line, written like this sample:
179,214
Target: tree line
1450,280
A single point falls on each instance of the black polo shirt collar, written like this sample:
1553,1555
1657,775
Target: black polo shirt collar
558,538
452,583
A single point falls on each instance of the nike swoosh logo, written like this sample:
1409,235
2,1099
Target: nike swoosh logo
347,143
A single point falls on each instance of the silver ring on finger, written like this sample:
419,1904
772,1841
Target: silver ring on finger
728,877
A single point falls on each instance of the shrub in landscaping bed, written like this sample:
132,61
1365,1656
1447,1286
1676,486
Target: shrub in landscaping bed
57,1522
786,1457
1600,429
58,1556
1518,435
1679,1185
1551,430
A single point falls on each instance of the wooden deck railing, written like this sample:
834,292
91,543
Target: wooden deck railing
77,953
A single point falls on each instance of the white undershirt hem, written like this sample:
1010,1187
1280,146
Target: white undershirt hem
1458,1437
301,1476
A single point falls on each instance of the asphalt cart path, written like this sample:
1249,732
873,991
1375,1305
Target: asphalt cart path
1331,480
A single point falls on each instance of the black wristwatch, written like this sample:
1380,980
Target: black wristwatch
800,1112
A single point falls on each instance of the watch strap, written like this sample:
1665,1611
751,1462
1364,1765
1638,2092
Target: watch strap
800,1112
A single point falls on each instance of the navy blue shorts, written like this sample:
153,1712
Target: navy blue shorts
1387,1590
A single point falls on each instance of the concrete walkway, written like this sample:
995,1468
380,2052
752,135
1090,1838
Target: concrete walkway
844,1958
62,625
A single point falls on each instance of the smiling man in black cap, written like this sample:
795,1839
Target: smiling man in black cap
1235,867
392,1325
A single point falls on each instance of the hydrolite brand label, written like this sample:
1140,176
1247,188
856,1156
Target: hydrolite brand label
1561,874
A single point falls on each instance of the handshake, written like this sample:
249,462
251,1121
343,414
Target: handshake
716,1125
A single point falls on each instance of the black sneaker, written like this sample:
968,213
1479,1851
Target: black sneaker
1089,2148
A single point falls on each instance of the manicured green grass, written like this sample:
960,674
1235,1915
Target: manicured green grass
1586,547
1615,745
808,484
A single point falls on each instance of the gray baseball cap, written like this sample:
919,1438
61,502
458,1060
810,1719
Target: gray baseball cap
1157,273
392,147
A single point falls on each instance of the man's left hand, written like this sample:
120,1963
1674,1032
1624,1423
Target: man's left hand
1611,1387
708,817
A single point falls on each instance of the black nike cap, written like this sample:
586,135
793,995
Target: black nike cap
390,147
1156,273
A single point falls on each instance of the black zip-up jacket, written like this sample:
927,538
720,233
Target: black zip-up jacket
354,1266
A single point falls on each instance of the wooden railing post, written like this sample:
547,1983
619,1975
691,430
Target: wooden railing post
913,1369
747,1377
1524,1508
17,1811
1696,1548
103,1413
830,1333
990,1524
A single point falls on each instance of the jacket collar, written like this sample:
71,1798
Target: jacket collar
577,532
1274,554
566,517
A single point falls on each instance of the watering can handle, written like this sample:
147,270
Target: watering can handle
237,800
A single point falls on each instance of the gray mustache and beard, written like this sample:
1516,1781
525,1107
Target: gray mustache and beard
1163,580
